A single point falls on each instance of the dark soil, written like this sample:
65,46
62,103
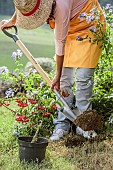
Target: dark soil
77,140
89,120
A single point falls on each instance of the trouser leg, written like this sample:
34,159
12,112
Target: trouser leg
84,85
66,83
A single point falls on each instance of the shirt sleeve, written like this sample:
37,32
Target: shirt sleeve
62,21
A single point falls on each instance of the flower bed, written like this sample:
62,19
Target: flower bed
33,99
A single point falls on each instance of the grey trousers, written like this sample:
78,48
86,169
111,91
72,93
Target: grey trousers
84,85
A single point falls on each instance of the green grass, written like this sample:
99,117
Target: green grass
40,42
88,156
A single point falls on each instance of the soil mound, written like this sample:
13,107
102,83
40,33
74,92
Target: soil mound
77,140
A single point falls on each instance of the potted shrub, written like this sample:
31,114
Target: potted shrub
34,107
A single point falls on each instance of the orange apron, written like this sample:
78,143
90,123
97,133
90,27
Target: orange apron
82,53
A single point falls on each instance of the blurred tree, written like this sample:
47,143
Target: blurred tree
6,7
104,2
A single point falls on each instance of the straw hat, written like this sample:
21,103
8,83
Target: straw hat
32,13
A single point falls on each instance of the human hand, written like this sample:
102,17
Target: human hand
6,23
56,83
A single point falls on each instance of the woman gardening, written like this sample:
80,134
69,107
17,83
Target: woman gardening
72,20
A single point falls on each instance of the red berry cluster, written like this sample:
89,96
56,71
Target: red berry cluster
21,103
32,101
6,104
40,108
22,119
54,107
46,114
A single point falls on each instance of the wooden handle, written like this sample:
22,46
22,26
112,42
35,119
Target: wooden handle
68,112
34,62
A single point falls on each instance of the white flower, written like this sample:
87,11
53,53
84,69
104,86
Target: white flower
4,69
110,11
111,25
32,70
28,94
97,17
35,92
15,124
19,53
110,120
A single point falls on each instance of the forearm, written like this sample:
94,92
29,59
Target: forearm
13,18
8,23
59,65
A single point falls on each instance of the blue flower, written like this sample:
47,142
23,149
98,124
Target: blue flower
9,93
17,54
15,133
42,84
82,16
93,10
90,18
4,69
92,29
108,6
79,38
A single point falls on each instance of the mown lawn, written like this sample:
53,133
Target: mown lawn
40,42
87,156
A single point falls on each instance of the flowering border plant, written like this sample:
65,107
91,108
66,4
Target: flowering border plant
102,99
103,87
30,99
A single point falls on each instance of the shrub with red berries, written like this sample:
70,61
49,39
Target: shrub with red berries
33,100
31,111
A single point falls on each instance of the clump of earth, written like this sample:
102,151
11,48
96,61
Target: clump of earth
89,120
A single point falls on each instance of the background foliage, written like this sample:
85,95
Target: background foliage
7,7
34,40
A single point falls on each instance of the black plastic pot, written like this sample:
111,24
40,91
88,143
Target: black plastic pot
32,151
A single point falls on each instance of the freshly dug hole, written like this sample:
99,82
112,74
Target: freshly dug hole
77,140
